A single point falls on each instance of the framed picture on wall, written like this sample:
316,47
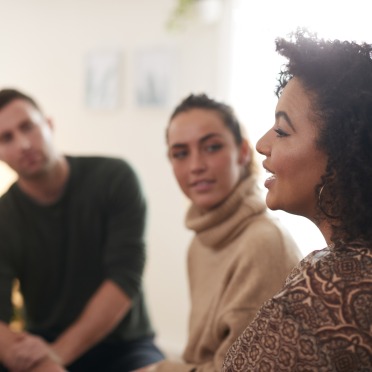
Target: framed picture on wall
154,77
102,79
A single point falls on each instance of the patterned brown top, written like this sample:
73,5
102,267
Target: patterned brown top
320,321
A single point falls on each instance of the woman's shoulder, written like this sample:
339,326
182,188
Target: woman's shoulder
335,280
348,263
298,271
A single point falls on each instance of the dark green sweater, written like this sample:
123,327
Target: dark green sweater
61,253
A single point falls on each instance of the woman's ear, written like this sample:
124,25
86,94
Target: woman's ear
245,154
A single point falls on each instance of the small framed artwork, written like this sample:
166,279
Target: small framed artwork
154,77
102,79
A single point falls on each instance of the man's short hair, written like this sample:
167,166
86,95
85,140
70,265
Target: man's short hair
8,95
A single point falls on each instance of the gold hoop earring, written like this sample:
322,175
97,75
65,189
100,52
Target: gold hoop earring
322,209
320,194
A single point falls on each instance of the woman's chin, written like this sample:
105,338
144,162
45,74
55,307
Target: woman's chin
271,202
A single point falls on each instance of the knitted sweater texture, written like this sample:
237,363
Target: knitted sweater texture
238,258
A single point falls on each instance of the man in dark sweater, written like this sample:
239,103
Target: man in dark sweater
71,232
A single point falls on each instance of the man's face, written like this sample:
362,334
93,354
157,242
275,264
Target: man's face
25,139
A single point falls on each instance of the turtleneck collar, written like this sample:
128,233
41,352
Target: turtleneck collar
220,225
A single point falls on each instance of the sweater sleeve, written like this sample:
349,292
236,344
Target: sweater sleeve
235,322
170,366
264,259
253,281
125,247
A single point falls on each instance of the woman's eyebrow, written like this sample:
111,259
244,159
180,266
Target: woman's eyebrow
208,136
284,115
201,140
178,145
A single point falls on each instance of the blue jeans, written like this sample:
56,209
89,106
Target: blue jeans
117,356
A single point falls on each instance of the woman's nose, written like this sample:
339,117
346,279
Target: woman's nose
263,145
198,163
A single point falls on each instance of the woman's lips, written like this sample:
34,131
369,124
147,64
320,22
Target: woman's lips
202,185
269,181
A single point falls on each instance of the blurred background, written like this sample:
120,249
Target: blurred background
109,72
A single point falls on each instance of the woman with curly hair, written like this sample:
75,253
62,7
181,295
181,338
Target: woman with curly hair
319,154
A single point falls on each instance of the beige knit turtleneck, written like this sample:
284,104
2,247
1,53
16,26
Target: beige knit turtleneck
239,257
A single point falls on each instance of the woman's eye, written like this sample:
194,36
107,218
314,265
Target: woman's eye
280,132
214,147
179,154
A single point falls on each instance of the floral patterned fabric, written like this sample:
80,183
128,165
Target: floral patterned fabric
320,321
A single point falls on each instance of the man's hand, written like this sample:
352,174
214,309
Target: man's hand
105,309
47,366
27,352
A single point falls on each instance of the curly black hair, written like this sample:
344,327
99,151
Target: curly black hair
338,77
225,111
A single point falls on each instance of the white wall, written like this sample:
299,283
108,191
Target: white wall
43,44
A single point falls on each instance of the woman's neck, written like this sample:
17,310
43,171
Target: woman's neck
326,230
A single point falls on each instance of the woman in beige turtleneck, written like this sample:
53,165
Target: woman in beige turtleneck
240,255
